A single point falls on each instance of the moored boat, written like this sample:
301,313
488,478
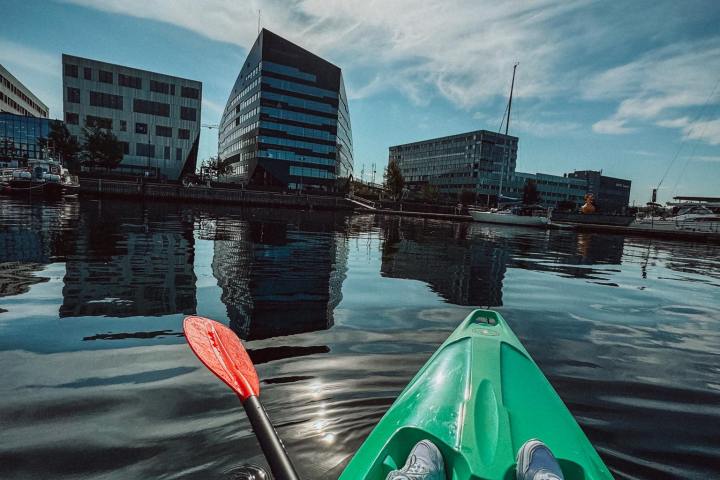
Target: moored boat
478,398
527,216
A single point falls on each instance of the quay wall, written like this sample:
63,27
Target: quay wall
202,194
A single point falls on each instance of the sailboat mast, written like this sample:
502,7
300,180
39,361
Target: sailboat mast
507,127
512,87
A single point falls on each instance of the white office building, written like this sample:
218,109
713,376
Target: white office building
155,116
17,98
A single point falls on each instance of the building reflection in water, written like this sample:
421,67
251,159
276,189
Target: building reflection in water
466,264
282,276
463,272
32,235
130,260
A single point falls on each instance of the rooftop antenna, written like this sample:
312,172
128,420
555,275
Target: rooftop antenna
259,15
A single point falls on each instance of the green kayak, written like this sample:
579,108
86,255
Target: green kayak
478,398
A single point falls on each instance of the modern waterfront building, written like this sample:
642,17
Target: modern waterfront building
484,162
552,189
20,138
611,194
468,161
17,98
286,125
155,116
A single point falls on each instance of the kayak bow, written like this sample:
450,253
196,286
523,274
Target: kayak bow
478,398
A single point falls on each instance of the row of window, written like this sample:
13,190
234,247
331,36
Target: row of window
294,157
315,147
141,128
311,172
300,102
247,116
16,106
237,133
298,131
19,93
131,81
107,100
298,88
247,102
242,94
298,117
287,70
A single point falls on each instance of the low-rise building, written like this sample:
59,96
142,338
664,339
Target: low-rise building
468,161
17,98
155,116
482,162
612,195
20,138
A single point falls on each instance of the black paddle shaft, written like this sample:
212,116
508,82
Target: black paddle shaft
280,464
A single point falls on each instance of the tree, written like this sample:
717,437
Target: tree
101,148
216,168
430,193
394,180
466,197
531,196
62,145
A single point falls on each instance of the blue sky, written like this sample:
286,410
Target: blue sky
620,86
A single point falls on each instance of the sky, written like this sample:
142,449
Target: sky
629,88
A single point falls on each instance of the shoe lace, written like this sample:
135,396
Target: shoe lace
415,467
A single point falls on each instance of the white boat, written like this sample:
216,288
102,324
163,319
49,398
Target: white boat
690,217
530,217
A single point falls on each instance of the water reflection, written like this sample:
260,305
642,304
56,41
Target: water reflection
129,260
279,278
339,314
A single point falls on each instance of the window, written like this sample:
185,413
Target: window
72,118
100,122
107,100
189,92
178,154
183,134
159,87
141,127
172,89
87,73
125,147
162,131
151,108
129,81
167,153
105,76
73,95
71,70
144,150
123,126
187,113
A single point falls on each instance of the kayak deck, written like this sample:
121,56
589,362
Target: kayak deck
478,398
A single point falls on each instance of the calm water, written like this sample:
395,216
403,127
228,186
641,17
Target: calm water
339,313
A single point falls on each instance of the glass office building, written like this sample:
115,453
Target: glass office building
468,161
20,138
286,125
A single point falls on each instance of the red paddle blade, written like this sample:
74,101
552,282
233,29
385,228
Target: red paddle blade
222,352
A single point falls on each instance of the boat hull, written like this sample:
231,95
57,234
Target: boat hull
478,398
508,219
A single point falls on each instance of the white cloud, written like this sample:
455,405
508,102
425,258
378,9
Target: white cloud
462,50
661,83
612,126
25,58
707,158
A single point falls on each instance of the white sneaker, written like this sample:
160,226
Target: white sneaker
535,461
425,462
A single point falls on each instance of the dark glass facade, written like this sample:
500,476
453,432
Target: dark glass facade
286,125
19,137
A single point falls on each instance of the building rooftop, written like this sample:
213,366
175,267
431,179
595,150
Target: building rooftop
451,137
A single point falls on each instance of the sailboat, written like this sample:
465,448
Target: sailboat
527,215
